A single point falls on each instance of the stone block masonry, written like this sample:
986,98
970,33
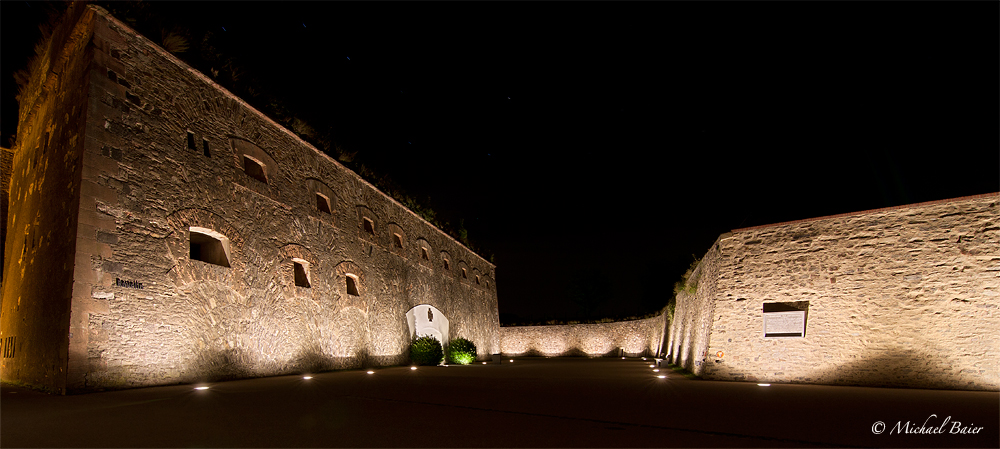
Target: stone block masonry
899,297
632,338
164,231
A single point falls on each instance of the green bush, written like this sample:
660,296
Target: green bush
426,350
461,351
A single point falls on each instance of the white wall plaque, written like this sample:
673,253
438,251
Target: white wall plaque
785,324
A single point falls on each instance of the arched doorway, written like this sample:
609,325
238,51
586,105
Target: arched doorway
426,319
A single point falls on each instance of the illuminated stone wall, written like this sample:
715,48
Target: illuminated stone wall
165,157
40,246
689,332
6,169
901,297
635,338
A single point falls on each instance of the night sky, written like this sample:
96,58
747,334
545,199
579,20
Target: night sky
598,147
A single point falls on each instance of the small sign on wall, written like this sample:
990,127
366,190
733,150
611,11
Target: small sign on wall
785,324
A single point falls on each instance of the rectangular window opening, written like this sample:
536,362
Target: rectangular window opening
464,276
191,141
477,279
397,240
446,266
254,168
369,226
301,279
423,254
352,286
204,147
323,204
208,249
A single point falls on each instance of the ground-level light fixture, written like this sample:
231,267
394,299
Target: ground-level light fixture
373,372
661,376
511,360
484,363
763,385
656,370
652,366
413,367
307,377
200,388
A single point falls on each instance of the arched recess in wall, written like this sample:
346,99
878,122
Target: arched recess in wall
204,224
254,161
351,285
369,225
398,243
425,319
298,269
324,203
462,272
425,254
487,282
447,264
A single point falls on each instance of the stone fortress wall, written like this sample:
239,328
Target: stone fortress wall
630,338
902,297
176,234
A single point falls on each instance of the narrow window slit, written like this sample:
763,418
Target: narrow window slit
301,278
254,168
323,203
352,286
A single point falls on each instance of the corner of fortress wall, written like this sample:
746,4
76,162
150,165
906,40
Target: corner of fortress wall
155,154
41,220
898,297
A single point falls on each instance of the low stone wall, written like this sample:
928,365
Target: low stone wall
635,338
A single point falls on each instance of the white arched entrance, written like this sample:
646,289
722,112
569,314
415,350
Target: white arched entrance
426,319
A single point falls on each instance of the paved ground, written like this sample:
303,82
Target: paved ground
533,402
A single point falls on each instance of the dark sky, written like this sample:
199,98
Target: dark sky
598,146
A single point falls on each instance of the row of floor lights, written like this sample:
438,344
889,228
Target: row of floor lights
655,370
412,368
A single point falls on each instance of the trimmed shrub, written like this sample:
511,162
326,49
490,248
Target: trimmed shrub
426,350
461,351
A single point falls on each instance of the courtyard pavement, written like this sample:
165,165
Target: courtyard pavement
532,402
